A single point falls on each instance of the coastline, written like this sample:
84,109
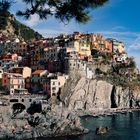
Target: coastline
28,135
75,132
107,112
68,133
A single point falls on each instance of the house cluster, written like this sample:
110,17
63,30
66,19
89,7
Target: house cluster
43,66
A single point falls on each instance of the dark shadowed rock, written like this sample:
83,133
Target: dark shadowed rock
102,130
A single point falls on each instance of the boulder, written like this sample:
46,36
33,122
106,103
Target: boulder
102,130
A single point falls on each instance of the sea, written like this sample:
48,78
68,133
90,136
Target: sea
123,126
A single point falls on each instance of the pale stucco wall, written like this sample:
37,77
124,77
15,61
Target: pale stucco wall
27,72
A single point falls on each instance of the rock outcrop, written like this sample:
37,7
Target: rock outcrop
102,130
51,122
90,95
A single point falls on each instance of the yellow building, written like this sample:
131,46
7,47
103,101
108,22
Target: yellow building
85,43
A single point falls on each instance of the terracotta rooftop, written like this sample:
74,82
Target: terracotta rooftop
38,72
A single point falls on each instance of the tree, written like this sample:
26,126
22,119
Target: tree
5,5
64,10
132,63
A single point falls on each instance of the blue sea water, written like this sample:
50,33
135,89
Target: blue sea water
123,127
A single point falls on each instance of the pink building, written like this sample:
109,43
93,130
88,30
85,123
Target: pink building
14,83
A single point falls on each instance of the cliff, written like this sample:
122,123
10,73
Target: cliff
104,93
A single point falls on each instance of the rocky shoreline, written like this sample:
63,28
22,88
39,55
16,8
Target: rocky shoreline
24,135
53,121
106,112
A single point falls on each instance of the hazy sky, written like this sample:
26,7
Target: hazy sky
118,18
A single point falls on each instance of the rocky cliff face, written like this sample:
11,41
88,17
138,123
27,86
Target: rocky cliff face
89,95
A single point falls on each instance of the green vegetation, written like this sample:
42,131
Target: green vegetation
132,63
119,74
106,55
5,5
25,32
64,10
4,13
3,22
3,19
95,53
20,29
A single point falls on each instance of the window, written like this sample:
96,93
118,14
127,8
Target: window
53,83
53,88
30,100
22,100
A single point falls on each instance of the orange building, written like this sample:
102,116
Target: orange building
109,45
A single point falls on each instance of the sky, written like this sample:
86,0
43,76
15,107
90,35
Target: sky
118,19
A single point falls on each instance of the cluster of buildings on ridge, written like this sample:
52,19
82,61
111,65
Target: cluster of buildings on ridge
43,66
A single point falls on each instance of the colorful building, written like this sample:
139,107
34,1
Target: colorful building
14,82
37,79
36,76
50,53
118,46
109,46
54,84
8,61
24,71
21,48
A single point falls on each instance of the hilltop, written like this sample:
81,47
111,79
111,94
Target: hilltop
11,27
